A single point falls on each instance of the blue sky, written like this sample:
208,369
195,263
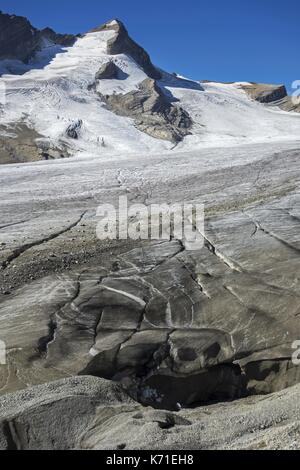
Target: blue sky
226,40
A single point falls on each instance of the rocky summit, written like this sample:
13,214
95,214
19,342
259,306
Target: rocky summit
143,342
121,43
20,40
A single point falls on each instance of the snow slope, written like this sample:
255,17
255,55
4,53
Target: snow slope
225,115
55,91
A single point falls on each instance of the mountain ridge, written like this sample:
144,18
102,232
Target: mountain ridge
104,86
20,40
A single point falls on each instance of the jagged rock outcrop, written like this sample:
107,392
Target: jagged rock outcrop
19,40
275,95
109,70
265,93
62,39
152,111
122,43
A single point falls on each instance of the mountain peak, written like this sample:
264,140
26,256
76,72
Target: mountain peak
114,24
122,43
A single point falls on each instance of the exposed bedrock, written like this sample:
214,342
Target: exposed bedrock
265,93
122,43
152,111
18,39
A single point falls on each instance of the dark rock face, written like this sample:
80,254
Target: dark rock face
19,40
275,95
265,93
152,111
122,43
108,71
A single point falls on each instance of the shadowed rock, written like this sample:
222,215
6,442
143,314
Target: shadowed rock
19,40
109,70
89,413
265,93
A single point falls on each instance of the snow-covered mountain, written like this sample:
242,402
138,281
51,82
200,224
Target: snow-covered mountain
99,94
